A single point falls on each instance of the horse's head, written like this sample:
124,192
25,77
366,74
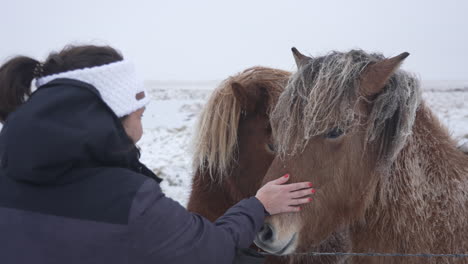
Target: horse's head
339,123
233,143
255,148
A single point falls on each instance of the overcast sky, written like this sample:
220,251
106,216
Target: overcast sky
210,40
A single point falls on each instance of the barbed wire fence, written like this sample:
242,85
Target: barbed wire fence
369,254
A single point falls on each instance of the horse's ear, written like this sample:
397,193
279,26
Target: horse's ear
300,58
376,75
247,98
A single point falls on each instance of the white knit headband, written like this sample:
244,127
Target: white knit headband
117,83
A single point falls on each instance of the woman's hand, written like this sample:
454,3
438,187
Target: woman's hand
278,197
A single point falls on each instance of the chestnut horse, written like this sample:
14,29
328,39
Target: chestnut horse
234,149
384,167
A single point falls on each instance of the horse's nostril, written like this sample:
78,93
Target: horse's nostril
266,233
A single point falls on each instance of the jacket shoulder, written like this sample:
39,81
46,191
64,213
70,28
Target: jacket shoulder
97,194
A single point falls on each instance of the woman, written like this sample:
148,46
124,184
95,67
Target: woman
72,189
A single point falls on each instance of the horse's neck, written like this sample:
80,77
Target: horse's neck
424,191
430,156
208,198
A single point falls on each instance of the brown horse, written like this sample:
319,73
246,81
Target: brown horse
233,144
384,167
234,149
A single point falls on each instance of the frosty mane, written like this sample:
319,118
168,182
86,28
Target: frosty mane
324,94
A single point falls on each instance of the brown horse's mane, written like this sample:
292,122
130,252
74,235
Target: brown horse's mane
324,95
215,141
429,163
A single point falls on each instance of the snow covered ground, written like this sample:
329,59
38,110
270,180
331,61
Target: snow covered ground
171,116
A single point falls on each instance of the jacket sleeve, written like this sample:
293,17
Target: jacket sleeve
162,231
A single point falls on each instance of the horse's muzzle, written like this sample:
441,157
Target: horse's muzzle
267,240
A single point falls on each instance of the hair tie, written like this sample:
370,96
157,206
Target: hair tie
38,70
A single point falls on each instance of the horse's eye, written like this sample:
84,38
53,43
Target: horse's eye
271,147
334,133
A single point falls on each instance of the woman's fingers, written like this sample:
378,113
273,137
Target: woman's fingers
293,205
301,193
297,186
300,201
281,180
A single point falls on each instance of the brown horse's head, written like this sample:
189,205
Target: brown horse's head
233,142
340,121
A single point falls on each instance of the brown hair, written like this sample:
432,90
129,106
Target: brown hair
17,73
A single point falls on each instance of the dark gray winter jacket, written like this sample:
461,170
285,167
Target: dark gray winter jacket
73,191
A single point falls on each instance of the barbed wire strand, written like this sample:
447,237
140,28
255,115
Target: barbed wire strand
422,255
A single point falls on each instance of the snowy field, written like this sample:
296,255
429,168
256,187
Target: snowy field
170,118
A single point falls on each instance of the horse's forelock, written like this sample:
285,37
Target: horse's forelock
215,141
324,94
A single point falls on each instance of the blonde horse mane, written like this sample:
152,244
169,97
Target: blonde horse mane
215,141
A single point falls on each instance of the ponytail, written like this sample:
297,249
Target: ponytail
16,76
